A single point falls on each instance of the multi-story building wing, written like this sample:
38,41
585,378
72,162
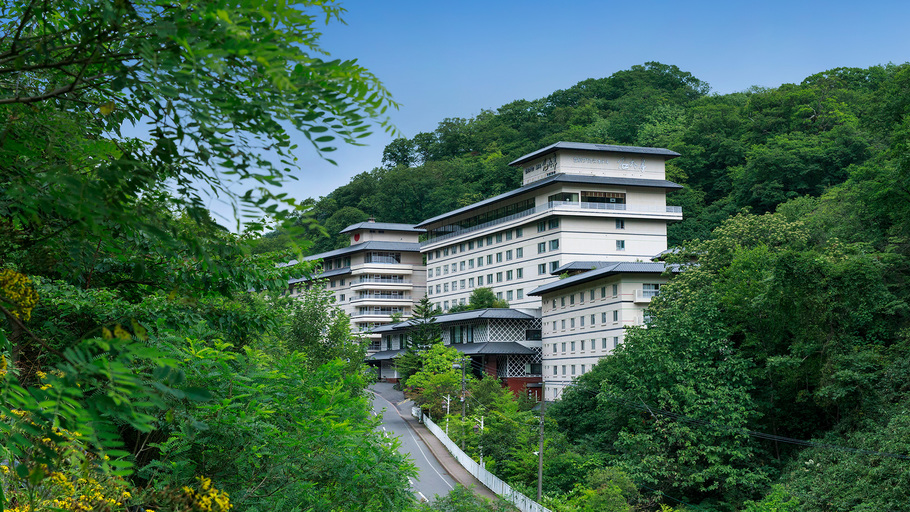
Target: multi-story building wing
577,202
584,316
379,275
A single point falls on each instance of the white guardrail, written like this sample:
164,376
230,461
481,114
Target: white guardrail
502,489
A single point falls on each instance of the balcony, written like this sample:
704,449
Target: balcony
620,210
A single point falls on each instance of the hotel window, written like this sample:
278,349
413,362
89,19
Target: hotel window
518,232
489,240
480,261
554,346
520,252
582,345
563,369
471,263
445,269
437,289
498,257
332,283
553,224
592,319
489,259
342,283
554,265
541,247
520,293
562,302
554,304
572,326
581,321
572,346
461,247
498,295
461,266
603,317
562,325
572,299
564,347
489,279
429,290
479,243
509,295
620,245
508,275
603,292
573,369
555,370
437,253
499,277
554,329
453,268
471,245
542,269
462,284
591,295
454,249
582,369
519,273
509,234
445,305
470,282
620,224
603,343
648,290
541,226
509,255
461,302
498,238
445,251
479,280
615,342
615,290
615,315
445,287
342,297
454,285
554,245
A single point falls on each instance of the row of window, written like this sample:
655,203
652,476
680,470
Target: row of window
463,247
591,294
614,315
508,296
469,264
468,283
336,263
591,345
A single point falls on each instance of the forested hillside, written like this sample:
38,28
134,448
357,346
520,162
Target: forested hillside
753,149
775,373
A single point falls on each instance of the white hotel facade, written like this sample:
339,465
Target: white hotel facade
596,209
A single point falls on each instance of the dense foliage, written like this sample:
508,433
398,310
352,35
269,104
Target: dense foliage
773,376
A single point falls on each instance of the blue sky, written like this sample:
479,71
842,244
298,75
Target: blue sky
453,59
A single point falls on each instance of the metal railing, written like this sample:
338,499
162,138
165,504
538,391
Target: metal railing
502,489
555,206
385,280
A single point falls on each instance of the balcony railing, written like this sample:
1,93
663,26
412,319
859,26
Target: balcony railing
645,295
385,280
558,206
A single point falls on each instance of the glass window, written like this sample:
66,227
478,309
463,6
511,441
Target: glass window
554,244
508,275
498,238
509,234
518,232
554,265
479,243
562,302
603,343
592,318
582,345
519,273
471,263
581,321
542,268
553,224
462,284
620,224
564,346
471,245
499,277
489,278
489,259
573,369
520,293
541,226
620,245
498,295
480,261
572,299
509,255
615,315
572,326
479,280
509,295
470,282
541,247
498,257
461,266
562,325
520,252
489,239
615,290
573,346
591,295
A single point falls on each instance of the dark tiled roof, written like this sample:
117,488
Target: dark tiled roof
386,354
462,316
366,246
386,226
559,178
509,347
584,146
615,268
581,265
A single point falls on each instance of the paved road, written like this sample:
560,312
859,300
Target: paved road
432,479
